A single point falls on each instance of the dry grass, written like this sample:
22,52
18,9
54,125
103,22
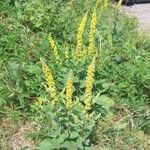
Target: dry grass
15,136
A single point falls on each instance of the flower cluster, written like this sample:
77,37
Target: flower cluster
69,90
91,48
80,37
54,48
89,85
50,82
119,3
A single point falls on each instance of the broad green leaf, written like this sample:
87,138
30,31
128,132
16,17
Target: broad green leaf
45,145
56,131
63,136
74,135
49,144
105,101
70,145
79,143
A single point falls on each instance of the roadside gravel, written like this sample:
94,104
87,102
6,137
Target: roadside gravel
142,13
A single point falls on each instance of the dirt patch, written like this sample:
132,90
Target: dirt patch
15,136
20,140
142,13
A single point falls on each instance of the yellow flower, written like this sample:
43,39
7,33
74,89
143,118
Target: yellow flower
50,82
119,3
81,28
54,48
91,48
69,90
89,85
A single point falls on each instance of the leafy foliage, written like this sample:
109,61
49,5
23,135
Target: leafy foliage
121,77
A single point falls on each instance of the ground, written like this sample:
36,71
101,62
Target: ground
142,12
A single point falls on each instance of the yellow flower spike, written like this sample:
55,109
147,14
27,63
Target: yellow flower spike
50,82
119,3
89,85
78,53
92,48
54,48
69,90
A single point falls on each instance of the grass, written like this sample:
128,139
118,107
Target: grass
121,82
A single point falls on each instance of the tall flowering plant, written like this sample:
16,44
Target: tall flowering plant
71,122
72,111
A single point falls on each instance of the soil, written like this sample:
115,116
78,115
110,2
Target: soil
19,140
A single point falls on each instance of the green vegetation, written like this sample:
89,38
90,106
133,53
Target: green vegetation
77,71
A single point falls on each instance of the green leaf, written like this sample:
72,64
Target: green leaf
106,85
79,143
76,80
87,142
63,136
49,144
45,145
74,135
82,84
70,145
57,130
105,102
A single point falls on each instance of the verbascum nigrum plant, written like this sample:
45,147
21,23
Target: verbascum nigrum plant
54,47
69,90
79,53
50,82
89,85
92,48
73,113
